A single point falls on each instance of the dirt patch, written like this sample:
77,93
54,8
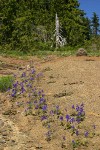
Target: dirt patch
66,81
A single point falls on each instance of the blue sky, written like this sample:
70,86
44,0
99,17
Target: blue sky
90,6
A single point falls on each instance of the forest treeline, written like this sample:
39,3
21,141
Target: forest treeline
28,25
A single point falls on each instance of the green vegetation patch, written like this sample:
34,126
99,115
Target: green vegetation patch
6,83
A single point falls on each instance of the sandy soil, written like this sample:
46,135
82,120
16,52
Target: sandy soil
66,81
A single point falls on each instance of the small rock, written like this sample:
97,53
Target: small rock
10,112
12,143
46,69
1,123
51,82
60,95
4,134
63,94
81,52
2,141
7,112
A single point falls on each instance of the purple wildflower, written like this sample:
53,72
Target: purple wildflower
94,126
73,142
28,102
36,107
67,117
39,93
42,91
14,75
77,132
79,113
42,100
51,112
43,95
40,74
44,107
72,127
72,120
22,89
8,89
77,108
57,107
13,94
26,109
33,71
81,109
82,105
61,118
73,107
86,133
48,135
21,84
64,138
15,84
17,103
31,78
43,118
35,101
48,126
23,74
25,81
78,120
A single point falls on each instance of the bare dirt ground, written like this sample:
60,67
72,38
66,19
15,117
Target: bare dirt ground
66,81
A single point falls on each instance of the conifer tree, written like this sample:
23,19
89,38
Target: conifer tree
95,24
26,23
